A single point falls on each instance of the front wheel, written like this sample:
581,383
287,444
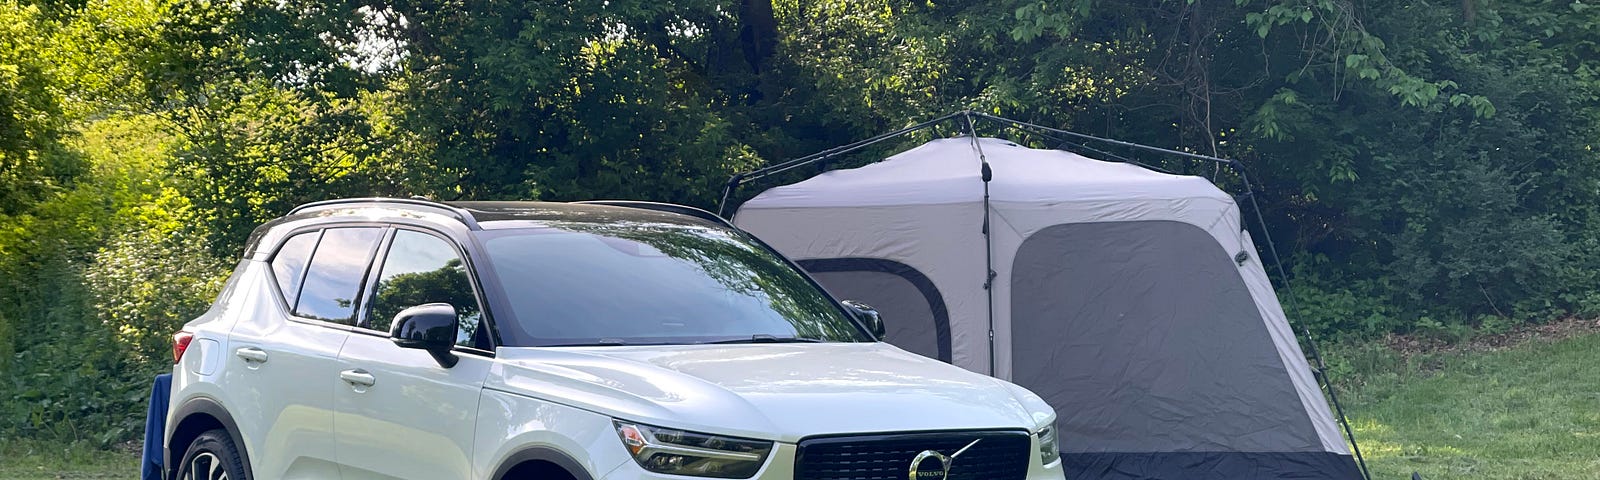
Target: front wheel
212,456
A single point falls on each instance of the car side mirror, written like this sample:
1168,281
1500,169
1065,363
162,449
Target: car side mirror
868,316
430,327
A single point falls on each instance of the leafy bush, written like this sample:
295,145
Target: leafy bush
149,281
144,288
93,278
65,383
1326,303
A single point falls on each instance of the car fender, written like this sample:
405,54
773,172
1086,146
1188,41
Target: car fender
201,405
545,454
517,428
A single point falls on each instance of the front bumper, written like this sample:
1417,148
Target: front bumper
780,466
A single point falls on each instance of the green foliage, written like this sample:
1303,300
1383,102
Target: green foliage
95,278
1427,168
32,118
64,383
1332,306
144,285
246,162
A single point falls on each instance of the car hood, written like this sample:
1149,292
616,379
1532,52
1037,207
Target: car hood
778,392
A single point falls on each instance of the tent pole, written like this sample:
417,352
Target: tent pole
1311,340
739,179
733,183
1132,145
987,174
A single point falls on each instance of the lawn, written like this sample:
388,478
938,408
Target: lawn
25,459
1527,412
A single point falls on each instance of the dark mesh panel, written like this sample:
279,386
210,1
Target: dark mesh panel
1144,338
913,311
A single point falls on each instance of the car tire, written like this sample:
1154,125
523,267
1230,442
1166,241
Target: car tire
212,456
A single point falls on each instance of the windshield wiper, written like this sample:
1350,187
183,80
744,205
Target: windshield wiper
604,342
764,338
757,338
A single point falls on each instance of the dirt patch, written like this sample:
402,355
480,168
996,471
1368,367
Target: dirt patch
1414,345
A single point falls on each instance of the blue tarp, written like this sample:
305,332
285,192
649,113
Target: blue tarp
155,428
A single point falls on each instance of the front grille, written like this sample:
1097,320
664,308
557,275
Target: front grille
1001,455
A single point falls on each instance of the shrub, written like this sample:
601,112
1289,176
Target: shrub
1323,301
147,284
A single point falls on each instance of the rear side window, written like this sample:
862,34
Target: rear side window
289,265
333,280
421,269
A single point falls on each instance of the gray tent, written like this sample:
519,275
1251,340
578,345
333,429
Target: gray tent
1132,300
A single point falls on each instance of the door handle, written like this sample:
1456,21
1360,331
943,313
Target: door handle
251,354
358,377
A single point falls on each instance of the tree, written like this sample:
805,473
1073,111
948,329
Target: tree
32,119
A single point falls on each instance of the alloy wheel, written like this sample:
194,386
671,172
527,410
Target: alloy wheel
205,466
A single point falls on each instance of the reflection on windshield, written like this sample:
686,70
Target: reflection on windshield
631,283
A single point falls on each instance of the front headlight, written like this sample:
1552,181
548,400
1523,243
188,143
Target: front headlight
676,452
1049,444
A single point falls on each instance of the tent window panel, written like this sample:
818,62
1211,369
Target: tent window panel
913,311
1144,337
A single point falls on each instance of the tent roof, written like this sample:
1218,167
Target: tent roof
947,171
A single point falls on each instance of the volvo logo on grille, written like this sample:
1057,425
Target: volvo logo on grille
932,465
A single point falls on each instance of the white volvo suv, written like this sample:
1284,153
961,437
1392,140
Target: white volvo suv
393,338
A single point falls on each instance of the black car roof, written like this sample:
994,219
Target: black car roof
473,215
595,211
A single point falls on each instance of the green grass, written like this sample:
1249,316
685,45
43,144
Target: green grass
28,459
1530,412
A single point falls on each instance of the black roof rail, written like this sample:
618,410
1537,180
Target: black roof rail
455,212
663,207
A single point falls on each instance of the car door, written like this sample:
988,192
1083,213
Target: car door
284,364
400,413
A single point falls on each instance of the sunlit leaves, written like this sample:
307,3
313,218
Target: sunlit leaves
33,115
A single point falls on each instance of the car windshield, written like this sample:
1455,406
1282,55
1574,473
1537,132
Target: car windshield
633,283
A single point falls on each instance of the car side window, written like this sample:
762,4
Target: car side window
420,269
333,281
289,265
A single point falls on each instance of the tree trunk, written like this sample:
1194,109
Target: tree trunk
758,33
